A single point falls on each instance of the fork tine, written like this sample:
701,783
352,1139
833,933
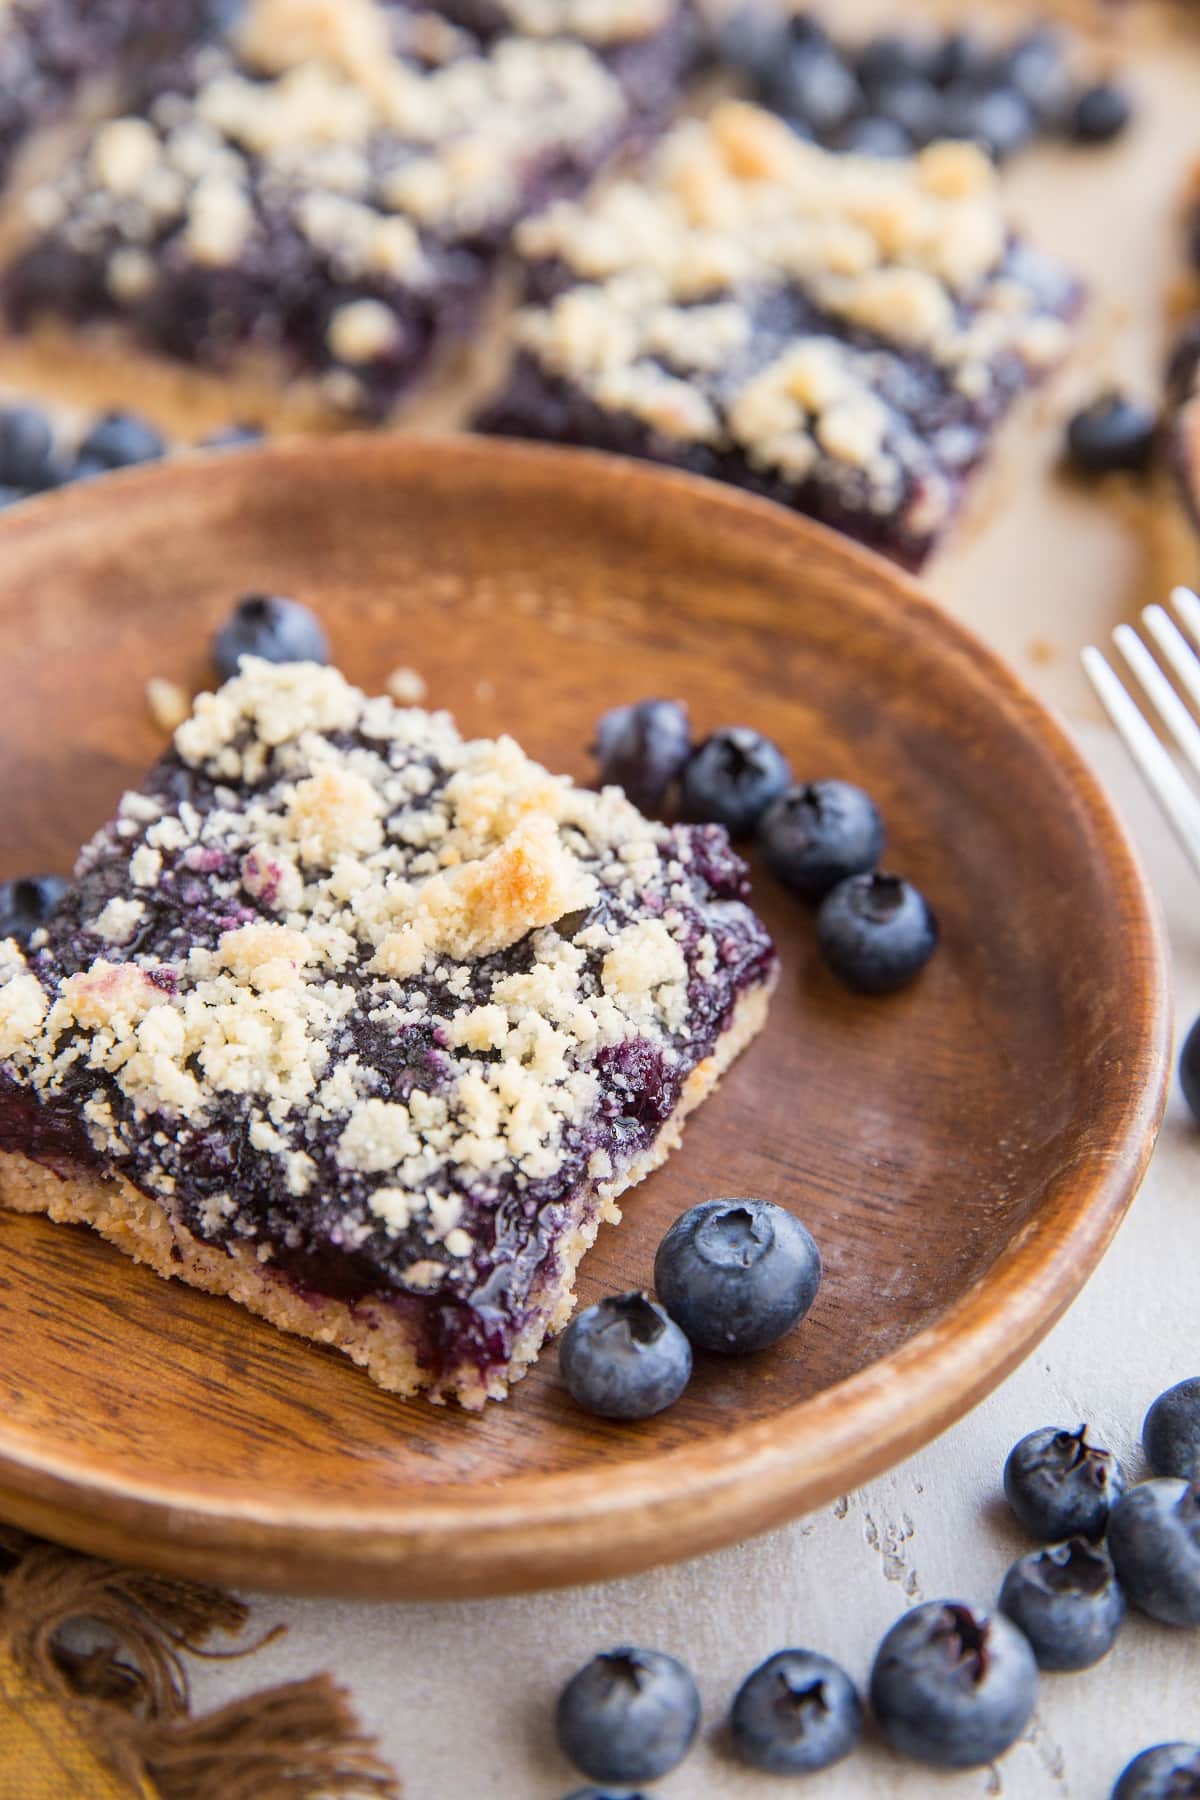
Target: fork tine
1187,605
1175,647
1179,804
1170,707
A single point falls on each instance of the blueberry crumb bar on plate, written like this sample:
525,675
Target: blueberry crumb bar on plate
368,1026
841,333
1183,373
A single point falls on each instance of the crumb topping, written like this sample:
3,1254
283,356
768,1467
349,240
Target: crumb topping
333,957
750,293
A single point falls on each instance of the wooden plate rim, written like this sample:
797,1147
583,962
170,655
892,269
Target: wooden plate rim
549,1529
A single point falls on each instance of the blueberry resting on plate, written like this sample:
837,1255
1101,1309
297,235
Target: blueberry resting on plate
815,835
1171,1431
27,461
796,1713
1060,1486
912,104
953,1686
1154,1541
232,437
1067,1602
876,932
267,625
1189,1069
121,440
643,748
1036,68
1167,1772
629,1715
735,1275
1111,434
732,778
594,1793
998,119
9,496
623,1358
874,137
27,903
1101,113
894,56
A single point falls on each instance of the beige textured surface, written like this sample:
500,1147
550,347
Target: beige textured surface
382,1342
463,1695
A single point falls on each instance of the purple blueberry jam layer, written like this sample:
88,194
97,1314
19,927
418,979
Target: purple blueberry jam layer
330,185
390,1014
840,333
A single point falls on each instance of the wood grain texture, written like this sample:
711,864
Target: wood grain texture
963,1151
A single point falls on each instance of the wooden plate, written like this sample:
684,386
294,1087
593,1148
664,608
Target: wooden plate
963,1151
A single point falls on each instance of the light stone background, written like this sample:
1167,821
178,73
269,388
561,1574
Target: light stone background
462,1695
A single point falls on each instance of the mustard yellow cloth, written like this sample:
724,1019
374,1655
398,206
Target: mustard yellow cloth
42,1755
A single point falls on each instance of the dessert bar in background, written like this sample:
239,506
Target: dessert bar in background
840,333
1183,373
329,185
368,1026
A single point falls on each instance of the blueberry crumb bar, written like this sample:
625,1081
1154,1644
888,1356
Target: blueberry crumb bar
1183,373
841,333
368,1026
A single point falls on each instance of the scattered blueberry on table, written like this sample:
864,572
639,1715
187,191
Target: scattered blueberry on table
624,1358
27,903
1067,1602
121,440
953,1686
1112,434
1171,1431
731,779
818,833
1061,1486
628,1715
28,464
1167,1772
876,932
900,90
1189,1069
268,625
796,1713
643,748
1154,1541
735,1275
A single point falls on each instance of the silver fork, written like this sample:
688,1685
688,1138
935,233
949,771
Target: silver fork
1159,769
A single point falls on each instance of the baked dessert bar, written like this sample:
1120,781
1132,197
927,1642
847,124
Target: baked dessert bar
840,333
327,186
1183,373
368,1027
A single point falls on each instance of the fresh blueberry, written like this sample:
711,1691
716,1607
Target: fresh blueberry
1035,67
814,84
629,1715
593,1793
27,903
1101,113
1067,1602
795,1713
233,437
643,749
1189,1069
874,137
815,835
732,778
876,932
964,58
736,1274
120,440
9,497
1061,1486
1111,432
84,468
998,119
893,56
1154,1541
751,38
623,1358
266,625
1167,1772
26,450
912,104
953,1686
1171,1431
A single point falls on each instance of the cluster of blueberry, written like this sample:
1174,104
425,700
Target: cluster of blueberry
732,1277
821,839
33,460
900,91
951,1686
